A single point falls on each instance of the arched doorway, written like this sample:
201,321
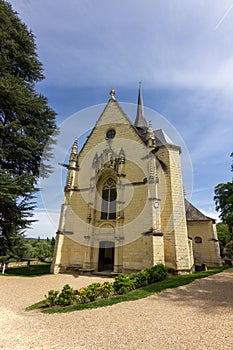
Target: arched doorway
106,256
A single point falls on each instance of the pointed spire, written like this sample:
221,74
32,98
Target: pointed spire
150,137
150,131
75,146
140,120
74,153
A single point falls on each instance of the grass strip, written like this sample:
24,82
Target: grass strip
33,270
171,282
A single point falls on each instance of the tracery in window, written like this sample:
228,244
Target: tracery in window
108,209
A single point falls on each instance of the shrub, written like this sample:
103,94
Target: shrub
148,275
133,280
122,284
52,297
140,279
150,272
106,290
66,296
159,272
81,296
92,291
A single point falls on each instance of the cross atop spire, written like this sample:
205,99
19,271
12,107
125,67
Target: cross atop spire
140,120
112,94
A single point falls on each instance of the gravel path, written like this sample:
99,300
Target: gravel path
196,316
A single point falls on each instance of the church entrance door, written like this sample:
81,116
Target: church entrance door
106,256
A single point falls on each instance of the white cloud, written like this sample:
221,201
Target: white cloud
166,43
46,226
179,45
211,214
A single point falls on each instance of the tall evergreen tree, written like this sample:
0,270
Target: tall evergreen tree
26,124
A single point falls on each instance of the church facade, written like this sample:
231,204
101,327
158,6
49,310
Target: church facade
124,206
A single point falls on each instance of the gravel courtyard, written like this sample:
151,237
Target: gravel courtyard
196,316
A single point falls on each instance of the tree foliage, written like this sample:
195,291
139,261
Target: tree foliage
37,248
26,123
224,201
224,235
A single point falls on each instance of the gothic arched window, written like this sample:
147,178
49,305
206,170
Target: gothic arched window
108,209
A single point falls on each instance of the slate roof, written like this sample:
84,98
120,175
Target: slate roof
162,138
141,124
193,214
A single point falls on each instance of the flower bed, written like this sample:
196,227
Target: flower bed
122,284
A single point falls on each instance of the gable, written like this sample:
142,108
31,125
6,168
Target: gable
113,113
102,151
112,117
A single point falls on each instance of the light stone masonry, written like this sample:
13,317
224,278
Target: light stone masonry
147,221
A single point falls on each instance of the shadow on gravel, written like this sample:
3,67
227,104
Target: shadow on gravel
207,293
34,270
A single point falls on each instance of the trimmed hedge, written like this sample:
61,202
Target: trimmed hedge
122,285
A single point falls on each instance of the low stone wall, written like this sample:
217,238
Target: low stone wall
22,263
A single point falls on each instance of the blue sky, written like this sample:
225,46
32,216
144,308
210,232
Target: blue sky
181,51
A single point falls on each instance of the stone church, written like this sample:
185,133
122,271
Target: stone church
124,205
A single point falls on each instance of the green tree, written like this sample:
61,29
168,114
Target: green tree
29,251
26,124
224,235
43,249
224,202
37,249
53,241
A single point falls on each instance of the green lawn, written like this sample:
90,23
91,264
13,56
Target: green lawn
171,282
39,269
